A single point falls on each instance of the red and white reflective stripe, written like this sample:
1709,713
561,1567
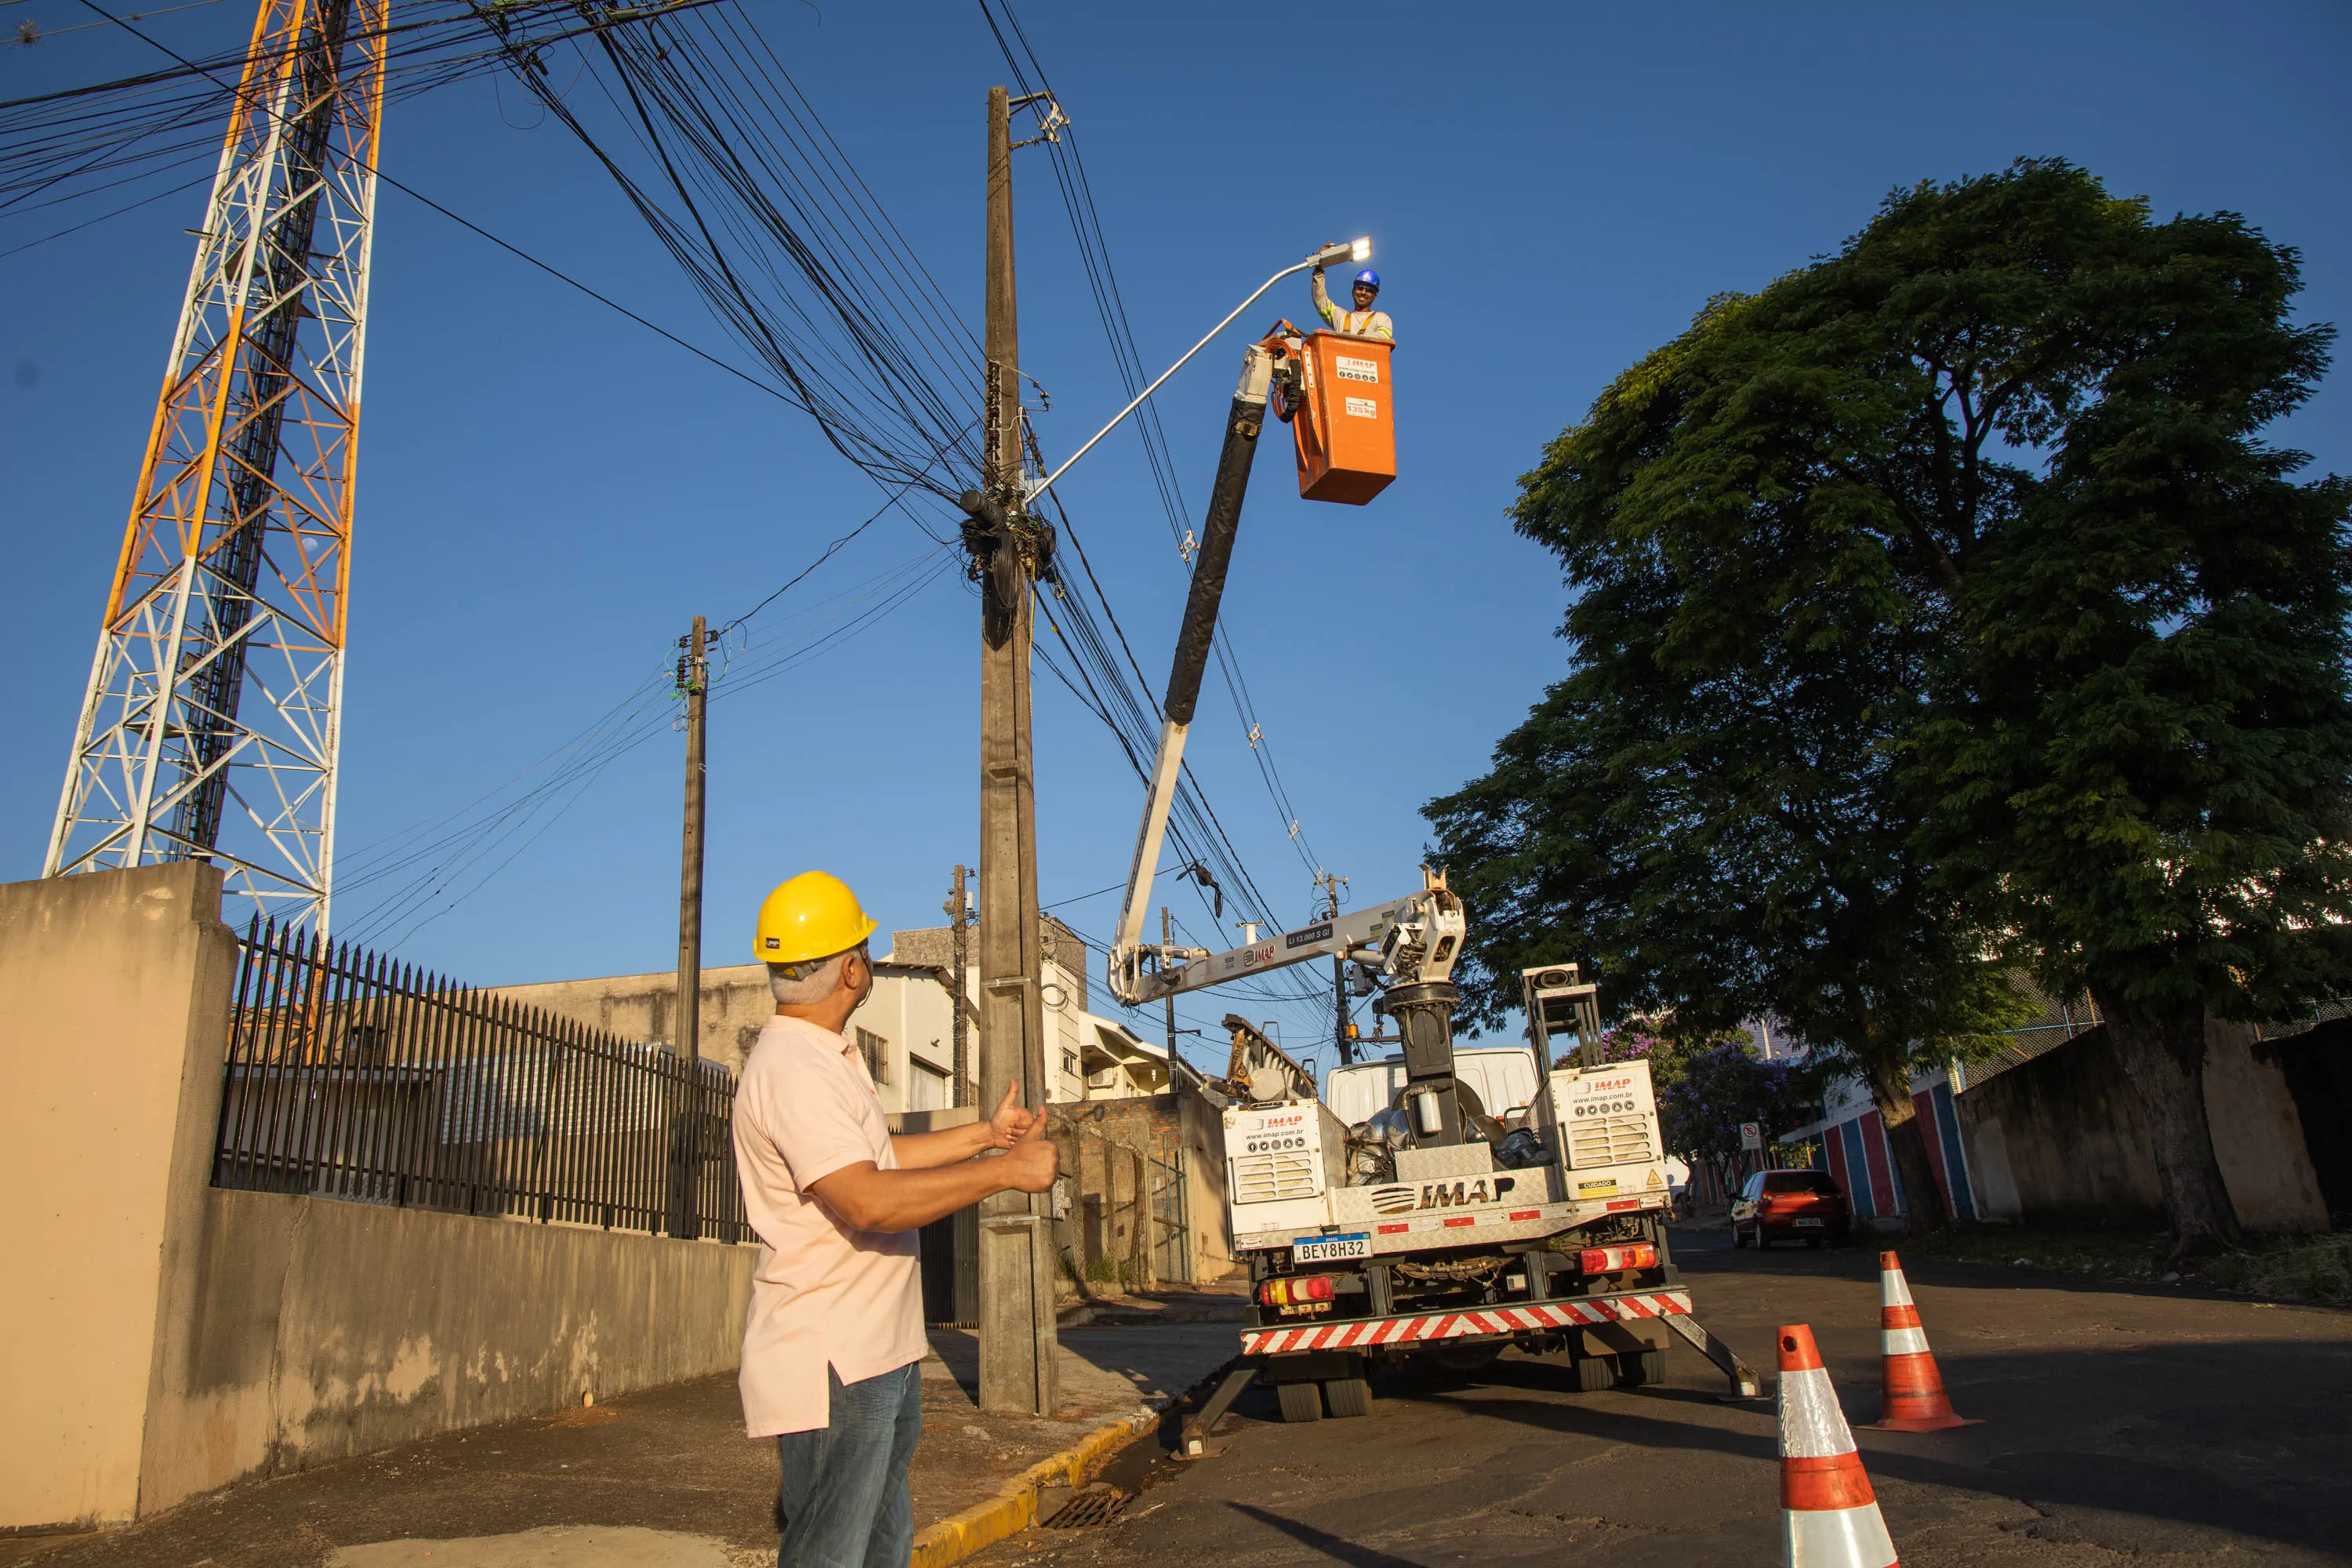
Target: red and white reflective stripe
1894,1290
1903,1340
1899,1329
1532,1317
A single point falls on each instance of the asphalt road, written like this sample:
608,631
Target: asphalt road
2150,1425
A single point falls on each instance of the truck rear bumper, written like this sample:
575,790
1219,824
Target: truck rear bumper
1481,1323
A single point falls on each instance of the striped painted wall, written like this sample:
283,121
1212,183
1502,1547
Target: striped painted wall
1859,1159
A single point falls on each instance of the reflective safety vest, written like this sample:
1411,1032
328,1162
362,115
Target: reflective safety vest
1362,323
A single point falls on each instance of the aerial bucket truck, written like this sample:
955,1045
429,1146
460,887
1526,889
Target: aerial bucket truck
1441,1226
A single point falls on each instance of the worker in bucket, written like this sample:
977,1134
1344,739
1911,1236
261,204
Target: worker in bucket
1363,321
833,1339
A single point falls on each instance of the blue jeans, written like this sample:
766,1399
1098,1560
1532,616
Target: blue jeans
845,1503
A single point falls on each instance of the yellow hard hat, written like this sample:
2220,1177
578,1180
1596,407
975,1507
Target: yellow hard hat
814,915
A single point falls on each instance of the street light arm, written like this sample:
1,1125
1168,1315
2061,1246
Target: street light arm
1320,259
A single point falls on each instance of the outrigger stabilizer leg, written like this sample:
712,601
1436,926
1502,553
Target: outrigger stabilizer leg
1192,1443
1744,1384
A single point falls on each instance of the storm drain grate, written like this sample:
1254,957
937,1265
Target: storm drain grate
1095,1507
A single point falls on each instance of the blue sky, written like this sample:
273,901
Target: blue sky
548,493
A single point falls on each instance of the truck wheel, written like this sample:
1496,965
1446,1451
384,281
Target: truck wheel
1348,1396
1301,1401
1591,1373
1641,1367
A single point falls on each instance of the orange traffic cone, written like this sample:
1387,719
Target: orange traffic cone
1915,1400
1829,1515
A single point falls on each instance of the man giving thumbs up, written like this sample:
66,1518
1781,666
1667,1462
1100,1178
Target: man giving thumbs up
835,1334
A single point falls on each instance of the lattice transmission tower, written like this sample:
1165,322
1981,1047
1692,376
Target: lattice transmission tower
211,723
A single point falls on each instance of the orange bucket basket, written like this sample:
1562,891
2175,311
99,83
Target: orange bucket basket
1346,424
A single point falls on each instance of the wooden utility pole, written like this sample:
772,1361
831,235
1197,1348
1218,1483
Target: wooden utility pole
959,944
694,683
1017,1343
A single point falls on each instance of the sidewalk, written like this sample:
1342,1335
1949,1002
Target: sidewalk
663,1479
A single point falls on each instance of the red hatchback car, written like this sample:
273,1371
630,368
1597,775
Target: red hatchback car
1789,1205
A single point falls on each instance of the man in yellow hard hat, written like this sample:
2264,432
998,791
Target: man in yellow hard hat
835,1334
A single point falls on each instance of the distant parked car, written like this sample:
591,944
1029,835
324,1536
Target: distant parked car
1789,1205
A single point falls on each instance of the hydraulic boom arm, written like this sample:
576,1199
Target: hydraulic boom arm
1192,639
1412,942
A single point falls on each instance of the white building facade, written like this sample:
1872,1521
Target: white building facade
906,1029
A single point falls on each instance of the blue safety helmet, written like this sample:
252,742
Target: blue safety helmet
1369,280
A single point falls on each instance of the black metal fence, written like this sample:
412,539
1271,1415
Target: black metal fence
352,1076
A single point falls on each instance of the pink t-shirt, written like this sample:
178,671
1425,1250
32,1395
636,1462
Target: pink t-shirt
823,1293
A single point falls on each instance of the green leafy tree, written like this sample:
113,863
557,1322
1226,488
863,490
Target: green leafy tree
1977,515
2139,761
1709,810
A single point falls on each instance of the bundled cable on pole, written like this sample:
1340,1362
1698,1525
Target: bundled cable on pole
1102,281
691,112
738,181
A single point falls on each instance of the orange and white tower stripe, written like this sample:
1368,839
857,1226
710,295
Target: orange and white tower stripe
1914,1398
1829,1515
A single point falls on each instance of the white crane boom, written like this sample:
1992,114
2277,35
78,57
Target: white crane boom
1411,940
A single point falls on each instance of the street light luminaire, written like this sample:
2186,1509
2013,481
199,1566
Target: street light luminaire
1337,255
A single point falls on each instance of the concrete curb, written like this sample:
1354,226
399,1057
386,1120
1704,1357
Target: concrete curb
1014,1509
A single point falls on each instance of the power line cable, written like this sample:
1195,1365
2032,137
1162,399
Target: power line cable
1085,223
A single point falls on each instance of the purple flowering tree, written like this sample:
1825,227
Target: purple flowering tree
1708,1087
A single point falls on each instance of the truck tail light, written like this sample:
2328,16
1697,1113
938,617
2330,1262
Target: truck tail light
1617,1260
1296,1291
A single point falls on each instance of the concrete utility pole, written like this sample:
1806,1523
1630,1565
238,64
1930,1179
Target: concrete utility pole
694,682
1331,885
1167,940
958,939
1017,1343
